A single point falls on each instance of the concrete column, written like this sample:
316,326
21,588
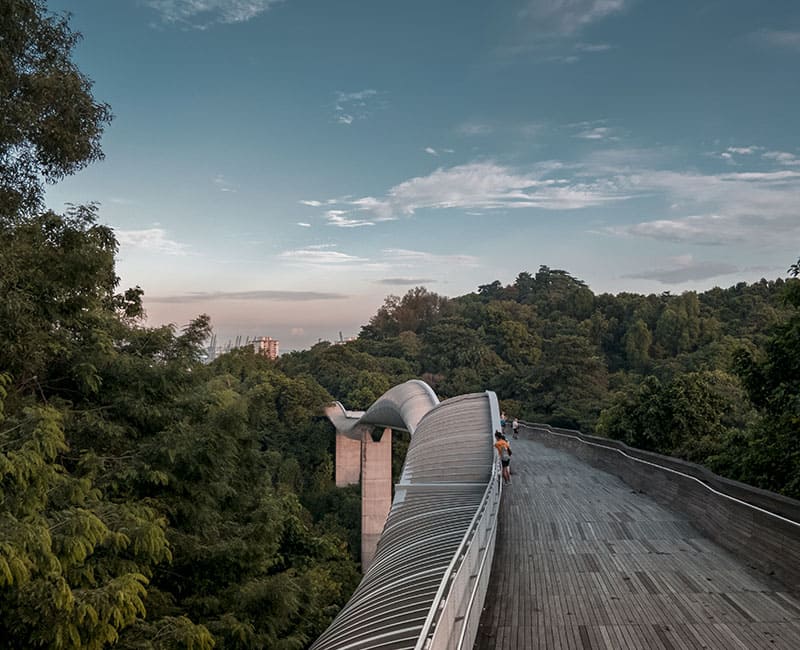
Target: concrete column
376,491
348,460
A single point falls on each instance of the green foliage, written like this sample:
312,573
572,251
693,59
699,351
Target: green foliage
50,125
771,457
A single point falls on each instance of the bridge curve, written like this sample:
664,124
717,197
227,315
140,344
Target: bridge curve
426,583
599,546
401,408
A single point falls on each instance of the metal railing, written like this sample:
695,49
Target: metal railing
426,585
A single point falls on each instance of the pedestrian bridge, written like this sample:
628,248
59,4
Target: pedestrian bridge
593,545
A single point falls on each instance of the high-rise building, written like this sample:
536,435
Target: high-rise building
267,346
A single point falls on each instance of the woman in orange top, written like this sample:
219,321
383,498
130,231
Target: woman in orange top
504,451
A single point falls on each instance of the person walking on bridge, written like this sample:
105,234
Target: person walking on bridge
515,428
504,452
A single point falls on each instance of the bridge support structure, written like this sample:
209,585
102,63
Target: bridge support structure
364,453
376,491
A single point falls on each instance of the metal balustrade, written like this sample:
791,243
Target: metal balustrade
426,585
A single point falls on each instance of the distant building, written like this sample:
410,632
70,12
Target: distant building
267,346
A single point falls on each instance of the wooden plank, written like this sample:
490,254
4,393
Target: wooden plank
583,561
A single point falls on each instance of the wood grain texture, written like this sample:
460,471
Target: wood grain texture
584,561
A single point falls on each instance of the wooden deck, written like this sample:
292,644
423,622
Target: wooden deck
583,561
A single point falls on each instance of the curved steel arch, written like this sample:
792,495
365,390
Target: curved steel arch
401,407
426,584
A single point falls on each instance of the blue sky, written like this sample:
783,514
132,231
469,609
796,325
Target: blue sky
283,165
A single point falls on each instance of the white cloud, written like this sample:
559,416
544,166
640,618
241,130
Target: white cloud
224,185
313,204
554,18
779,38
267,294
431,151
409,258
476,186
201,14
153,240
353,106
303,224
781,157
685,269
742,206
559,58
338,218
593,47
744,151
474,128
319,257
405,281
595,133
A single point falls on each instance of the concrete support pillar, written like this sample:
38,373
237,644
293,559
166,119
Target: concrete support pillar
376,491
348,460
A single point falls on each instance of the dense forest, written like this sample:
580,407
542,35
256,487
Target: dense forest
149,500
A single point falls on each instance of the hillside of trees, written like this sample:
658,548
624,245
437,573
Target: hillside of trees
148,500
710,377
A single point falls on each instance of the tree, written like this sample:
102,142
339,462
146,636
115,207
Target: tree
50,124
637,345
772,456
415,312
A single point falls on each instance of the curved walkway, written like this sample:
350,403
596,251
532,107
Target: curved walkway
583,561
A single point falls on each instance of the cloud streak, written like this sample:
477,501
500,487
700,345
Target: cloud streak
685,269
405,281
353,106
476,186
562,18
282,296
779,38
202,14
410,258
731,207
154,240
319,256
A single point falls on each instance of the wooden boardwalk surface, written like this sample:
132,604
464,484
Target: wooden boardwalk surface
583,561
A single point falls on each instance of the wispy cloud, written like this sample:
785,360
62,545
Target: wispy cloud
476,186
731,207
560,18
401,256
403,282
731,152
202,14
782,157
431,151
685,269
593,47
339,218
154,240
779,38
303,224
594,130
319,256
223,184
474,128
562,58
283,296
595,133
353,106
